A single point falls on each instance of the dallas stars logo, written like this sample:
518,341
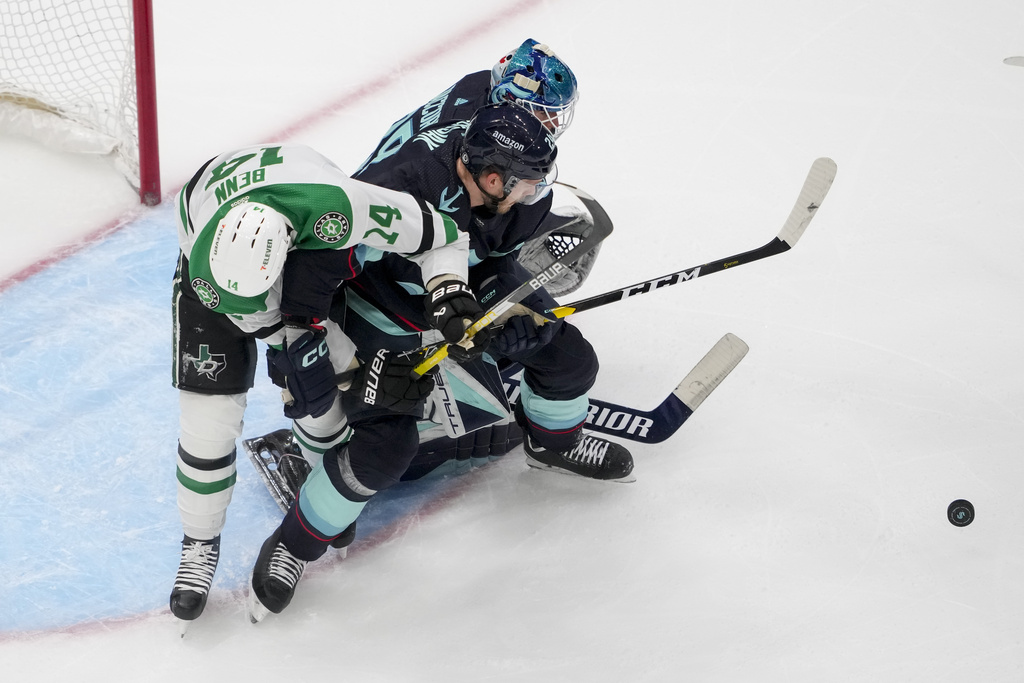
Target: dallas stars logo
206,292
207,364
332,227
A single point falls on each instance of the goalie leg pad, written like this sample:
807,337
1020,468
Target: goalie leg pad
442,455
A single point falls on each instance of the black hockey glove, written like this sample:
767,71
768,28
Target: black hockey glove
451,307
520,334
304,368
387,381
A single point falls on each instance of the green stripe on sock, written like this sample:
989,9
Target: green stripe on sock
204,488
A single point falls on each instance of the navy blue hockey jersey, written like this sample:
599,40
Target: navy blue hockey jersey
421,160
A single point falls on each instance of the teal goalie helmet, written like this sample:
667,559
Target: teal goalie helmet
249,249
535,78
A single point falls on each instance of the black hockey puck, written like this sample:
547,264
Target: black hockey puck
960,512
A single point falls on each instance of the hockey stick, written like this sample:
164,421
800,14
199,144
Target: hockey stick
601,229
657,425
812,194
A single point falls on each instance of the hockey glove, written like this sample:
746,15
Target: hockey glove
520,334
304,368
387,381
451,307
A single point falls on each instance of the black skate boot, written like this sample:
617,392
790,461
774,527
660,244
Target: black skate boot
273,579
195,576
591,457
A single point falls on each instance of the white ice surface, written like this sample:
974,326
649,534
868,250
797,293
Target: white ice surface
794,530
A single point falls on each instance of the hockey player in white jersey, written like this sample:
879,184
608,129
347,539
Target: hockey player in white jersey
267,235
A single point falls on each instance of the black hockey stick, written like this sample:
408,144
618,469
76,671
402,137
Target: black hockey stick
601,229
812,194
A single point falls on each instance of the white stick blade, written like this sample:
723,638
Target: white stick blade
819,180
711,370
1014,61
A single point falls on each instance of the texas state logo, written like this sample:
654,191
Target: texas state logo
332,227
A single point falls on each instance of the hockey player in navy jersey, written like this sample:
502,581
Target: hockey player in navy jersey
478,168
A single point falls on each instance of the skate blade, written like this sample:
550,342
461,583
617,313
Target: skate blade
183,627
255,609
537,464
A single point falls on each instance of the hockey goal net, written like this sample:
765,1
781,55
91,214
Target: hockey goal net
78,75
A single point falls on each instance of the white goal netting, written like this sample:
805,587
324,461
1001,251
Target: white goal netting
67,76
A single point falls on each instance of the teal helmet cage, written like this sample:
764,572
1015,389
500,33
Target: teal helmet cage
535,78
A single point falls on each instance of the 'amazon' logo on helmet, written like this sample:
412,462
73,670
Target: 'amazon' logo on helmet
507,141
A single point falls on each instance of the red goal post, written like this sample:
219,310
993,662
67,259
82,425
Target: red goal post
79,75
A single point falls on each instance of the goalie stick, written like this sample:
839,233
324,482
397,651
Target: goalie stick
658,424
812,194
283,471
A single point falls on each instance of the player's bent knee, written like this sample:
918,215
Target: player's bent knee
210,423
380,450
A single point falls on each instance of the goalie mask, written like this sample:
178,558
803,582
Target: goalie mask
533,77
249,249
504,138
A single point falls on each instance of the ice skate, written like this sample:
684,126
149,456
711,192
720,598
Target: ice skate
194,578
591,457
273,579
279,462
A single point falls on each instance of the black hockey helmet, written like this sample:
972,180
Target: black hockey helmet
507,139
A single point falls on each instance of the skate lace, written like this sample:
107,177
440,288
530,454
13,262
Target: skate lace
589,451
285,567
198,564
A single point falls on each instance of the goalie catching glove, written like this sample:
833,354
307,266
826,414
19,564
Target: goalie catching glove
303,366
387,381
451,307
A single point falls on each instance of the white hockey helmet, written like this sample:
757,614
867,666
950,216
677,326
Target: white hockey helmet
249,249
